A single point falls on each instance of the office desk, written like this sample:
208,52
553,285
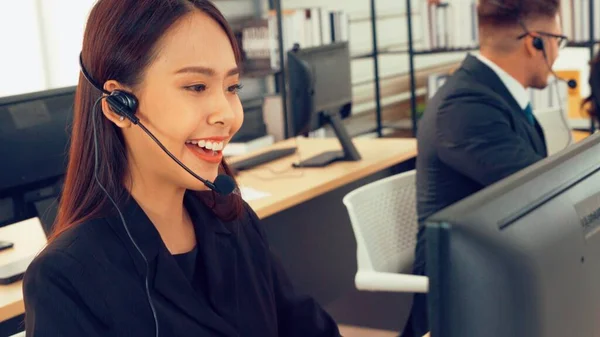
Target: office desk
305,220
28,238
289,186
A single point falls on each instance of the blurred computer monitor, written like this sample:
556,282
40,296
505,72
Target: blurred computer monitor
521,257
320,88
34,140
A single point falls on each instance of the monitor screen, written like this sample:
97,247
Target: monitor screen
34,133
521,257
319,80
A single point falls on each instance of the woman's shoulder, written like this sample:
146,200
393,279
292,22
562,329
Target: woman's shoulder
72,248
60,277
87,236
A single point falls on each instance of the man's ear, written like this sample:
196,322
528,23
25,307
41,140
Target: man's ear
529,48
119,120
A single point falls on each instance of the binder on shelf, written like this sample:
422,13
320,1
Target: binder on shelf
309,27
575,20
449,25
257,42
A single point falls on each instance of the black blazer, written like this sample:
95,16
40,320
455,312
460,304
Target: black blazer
473,133
90,282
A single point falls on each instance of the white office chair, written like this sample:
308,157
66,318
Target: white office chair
556,128
20,334
384,219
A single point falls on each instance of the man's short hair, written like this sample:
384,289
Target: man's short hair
505,13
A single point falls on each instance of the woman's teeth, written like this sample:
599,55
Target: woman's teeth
209,145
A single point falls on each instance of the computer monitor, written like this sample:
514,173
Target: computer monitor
34,133
320,88
521,257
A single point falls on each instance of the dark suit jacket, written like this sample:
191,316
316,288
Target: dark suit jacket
473,133
90,282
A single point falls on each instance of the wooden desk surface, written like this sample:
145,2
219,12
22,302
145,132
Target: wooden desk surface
290,186
28,238
579,135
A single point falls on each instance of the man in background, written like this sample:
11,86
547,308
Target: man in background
479,127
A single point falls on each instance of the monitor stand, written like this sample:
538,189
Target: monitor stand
349,152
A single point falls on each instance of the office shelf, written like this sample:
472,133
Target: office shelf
387,51
412,53
443,50
374,54
582,44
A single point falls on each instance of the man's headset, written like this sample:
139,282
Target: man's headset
125,105
538,44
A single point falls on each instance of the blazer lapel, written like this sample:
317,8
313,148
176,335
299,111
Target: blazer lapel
217,256
486,76
540,142
166,277
483,74
172,284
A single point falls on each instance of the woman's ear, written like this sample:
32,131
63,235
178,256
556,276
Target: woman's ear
119,120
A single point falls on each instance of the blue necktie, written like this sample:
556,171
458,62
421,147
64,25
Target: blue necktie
529,113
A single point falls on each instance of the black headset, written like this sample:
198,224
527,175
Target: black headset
123,103
538,43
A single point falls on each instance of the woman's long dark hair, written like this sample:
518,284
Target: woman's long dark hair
593,100
118,44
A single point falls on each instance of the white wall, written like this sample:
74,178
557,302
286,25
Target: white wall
42,39
62,24
21,62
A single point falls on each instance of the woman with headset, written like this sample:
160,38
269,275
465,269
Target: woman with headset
148,241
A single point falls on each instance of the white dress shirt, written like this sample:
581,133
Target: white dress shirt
515,88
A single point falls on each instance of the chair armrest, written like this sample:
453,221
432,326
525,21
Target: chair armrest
392,282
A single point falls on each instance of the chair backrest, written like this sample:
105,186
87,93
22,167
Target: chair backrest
384,220
558,135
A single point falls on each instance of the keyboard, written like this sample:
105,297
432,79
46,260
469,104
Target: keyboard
262,158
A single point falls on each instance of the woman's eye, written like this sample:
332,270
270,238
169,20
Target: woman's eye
197,87
235,88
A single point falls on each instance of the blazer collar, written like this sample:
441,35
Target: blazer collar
514,87
166,277
487,77
483,74
145,234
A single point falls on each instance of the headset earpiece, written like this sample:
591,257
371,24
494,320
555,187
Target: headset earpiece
538,43
124,104
121,102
